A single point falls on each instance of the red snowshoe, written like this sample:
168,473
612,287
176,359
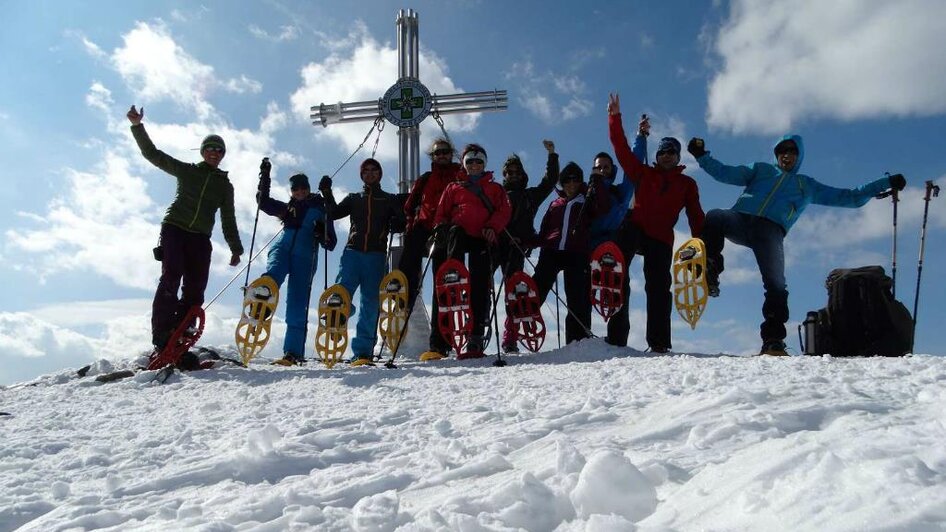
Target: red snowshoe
525,310
607,279
183,338
454,317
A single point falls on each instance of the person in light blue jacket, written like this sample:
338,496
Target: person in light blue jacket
774,197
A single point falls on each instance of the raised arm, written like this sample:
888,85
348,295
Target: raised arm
629,162
149,151
540,191
847,197
731,175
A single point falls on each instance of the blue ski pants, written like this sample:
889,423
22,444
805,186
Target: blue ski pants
364,270
300,267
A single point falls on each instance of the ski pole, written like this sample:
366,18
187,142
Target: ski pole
895,197
558,317
255,223
387,259
555,291
495,296
308,294
420,286
237,274
325,265
932,191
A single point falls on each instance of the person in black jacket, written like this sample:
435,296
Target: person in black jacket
514,244
374,214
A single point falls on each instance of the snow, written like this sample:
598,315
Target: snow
588,437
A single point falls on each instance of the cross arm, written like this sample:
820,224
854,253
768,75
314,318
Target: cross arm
337,113
470,102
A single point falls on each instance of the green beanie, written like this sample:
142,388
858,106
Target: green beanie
215,141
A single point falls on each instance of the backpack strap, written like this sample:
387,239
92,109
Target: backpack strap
476,189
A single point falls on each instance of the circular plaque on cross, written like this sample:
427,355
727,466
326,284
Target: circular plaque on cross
406,103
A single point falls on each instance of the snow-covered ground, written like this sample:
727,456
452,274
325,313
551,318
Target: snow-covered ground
589,437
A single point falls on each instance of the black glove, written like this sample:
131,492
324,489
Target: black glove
898,182
325,183
696,147
265,167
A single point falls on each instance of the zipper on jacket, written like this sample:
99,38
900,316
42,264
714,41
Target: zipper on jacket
368,221
200,199
771,193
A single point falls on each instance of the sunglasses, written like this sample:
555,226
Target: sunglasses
514,171
474,161
572,179
444,151
215,149
792,151
668,152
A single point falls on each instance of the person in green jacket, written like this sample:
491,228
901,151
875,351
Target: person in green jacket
185,246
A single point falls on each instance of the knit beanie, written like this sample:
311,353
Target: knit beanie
299,181
212,141
668,144
570,172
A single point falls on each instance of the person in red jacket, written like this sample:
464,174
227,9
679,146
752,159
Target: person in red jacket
419,210
564,239
471,215
661,192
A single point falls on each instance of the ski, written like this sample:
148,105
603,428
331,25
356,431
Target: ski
525,310
454,315
331,336
259,306
607,279
689,280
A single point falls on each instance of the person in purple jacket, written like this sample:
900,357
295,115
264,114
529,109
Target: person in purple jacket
564,241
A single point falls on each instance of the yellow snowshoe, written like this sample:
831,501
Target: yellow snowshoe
392,317
259,307
689,280
331,336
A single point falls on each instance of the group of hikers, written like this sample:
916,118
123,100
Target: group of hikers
458,210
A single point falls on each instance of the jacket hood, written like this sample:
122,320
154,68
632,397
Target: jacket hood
801,150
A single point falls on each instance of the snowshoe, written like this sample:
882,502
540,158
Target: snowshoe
392,317
331,337
259,307
454,317
607,279
689,280
182,339
525,310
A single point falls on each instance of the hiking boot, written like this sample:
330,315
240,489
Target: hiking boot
511,347
474,348
362,360
775,348
712,278
290,359
659,349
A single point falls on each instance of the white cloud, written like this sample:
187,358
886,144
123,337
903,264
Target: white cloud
243,85
364,71
156,68
286,33
844,60
103,219
552,97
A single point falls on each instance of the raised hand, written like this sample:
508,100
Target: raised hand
265,167
696,147
549,146
134,116
614,104
898,182
643,127
325,183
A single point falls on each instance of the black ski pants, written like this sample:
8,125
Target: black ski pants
577,270
658,257
185,266
481,278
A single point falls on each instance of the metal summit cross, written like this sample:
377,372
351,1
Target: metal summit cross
408,102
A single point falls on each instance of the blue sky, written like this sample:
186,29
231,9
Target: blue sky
863,82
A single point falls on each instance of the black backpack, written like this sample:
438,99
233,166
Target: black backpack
862,317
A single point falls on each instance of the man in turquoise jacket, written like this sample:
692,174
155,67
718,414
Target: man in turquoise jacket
773,198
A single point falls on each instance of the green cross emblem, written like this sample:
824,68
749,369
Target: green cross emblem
407,103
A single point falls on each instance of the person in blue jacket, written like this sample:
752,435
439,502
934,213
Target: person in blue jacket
374,214
295,253
605,228
774,197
